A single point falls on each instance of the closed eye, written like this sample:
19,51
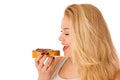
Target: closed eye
66,34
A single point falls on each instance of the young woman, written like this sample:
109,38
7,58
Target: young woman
87,45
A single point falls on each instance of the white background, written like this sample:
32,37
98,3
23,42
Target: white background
29,24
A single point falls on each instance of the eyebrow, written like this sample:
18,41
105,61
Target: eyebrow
65,28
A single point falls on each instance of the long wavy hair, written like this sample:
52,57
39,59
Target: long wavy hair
94,54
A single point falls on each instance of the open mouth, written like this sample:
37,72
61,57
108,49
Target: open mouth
65,48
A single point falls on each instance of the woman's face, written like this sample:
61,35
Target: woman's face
65,36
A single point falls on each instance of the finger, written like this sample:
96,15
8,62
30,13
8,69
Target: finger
51,64
42,60
38,58
48,62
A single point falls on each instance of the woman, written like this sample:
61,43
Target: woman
88,48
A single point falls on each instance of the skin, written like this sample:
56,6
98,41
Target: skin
43,69
65,36
117,76
68,70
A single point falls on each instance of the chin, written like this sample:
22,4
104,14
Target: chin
67,54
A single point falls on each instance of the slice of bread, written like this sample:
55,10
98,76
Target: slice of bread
51,52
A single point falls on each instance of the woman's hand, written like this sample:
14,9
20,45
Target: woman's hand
44,67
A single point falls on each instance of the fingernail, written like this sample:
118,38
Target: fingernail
42,53
53,57
47,53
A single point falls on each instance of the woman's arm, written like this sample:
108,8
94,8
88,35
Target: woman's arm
117,76
45,70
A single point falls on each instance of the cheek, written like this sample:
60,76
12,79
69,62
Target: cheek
70,45
68,39
70,42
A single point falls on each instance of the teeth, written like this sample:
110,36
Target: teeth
66,46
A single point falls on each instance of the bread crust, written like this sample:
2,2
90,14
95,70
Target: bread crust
51,52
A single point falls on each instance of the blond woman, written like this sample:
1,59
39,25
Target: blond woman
89,53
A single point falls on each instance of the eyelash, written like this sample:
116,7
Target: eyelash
65,34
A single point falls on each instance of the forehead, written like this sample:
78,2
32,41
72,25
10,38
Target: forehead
65,22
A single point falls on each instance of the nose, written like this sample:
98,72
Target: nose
61,37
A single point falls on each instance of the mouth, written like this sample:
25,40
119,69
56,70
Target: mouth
65,48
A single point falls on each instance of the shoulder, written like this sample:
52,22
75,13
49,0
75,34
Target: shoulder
117,76
57,60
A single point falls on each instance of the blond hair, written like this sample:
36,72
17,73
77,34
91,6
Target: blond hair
93,51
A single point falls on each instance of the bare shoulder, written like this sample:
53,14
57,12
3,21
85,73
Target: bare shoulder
57,59
117,75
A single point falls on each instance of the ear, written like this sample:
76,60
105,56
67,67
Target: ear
117,76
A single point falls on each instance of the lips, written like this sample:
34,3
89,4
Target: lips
65,48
